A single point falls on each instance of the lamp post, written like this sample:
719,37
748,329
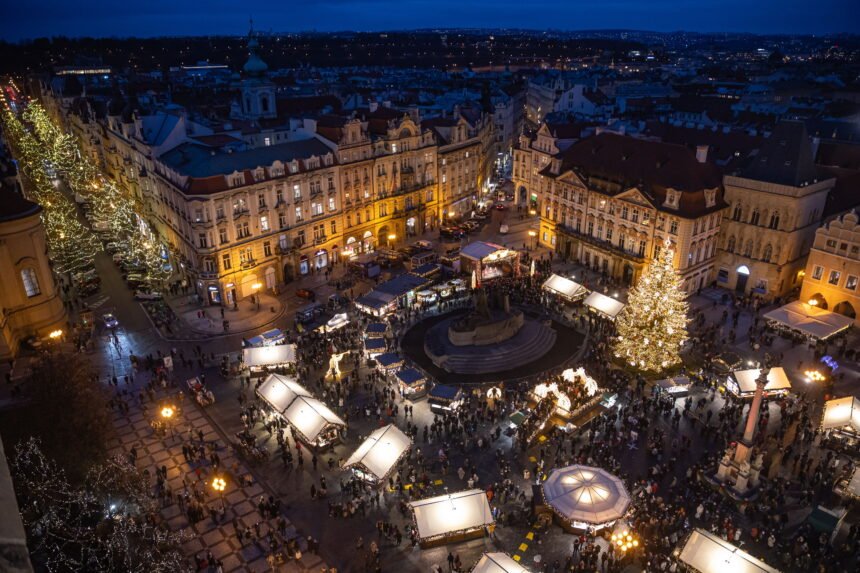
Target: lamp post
167,413
533,238
391,238
219,484
625,541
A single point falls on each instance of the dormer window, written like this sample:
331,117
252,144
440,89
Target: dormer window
294,166
259,174
672,199
710,197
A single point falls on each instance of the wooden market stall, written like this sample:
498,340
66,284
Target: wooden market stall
603,305
564,288
742,383
377,456
808,320
260,358
452,518
412,383
498,562
707,553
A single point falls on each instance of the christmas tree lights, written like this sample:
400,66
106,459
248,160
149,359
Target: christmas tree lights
653,325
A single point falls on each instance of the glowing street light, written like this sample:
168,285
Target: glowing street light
167,412
624,541
813,302
55,334
814,376
219,484
256,288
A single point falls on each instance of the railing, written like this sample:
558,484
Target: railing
603,244
248,263
240,212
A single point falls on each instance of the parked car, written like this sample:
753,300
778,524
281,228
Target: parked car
500,207
110,320
451,232
144,295
428,245
306,293
503,229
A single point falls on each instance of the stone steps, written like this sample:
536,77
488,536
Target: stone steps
533,341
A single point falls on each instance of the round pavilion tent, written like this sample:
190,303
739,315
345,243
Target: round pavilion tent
583,496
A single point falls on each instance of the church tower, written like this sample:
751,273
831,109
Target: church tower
257,92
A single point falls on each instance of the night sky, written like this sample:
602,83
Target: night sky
36,18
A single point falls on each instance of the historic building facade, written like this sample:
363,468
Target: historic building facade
610,202
776,205
30,303
833,267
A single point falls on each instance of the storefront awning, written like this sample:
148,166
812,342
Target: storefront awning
809,320
452,513
565,288
707,553
269,355
605,305
381,450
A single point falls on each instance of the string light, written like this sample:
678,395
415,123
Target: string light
653,325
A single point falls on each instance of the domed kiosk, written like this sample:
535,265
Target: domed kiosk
582,497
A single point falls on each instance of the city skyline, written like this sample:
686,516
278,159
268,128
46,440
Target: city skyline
47,18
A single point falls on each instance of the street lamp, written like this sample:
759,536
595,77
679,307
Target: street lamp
391,238
533,235
55,334
219,484
625,541
813,302
167,413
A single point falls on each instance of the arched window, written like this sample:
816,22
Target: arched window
766,255
31,282
730,246
748,249
737,213
264,104
774,220
754,217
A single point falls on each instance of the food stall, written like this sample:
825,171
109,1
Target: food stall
389,362
373,347
427,297
269,338
314,423
445,398
399,292
489,261
498,562
452,518
841,418
564,288
676,387
378,455
376,330
705,552
260,358
337,321
742,383
412,383
807,320
583,497
605,306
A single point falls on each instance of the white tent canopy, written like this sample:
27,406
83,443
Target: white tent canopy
380,451
842,413
603,304
269,355
707,553
452,513
498,563
310,417
565,287
279,391
809,320
776,380
585,494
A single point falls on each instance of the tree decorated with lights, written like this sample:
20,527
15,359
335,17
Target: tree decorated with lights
653,325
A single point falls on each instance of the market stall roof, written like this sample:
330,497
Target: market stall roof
374,344
842,413
776,379
810,320
337,321
380,451
604,304
389,359
445,392
480,250
280,391
409,376
269,355
498,563
586,494
452,513
310,417
376,328
565,287
272,336
707,553
853,486
426,269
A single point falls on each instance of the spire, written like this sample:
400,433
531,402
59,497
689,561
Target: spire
255,66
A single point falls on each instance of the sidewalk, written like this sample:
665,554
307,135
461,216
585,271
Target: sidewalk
207,320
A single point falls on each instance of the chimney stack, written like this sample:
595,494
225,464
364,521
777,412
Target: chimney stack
702,153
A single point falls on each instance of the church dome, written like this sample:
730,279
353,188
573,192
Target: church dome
255,65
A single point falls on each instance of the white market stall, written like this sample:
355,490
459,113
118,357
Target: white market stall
258,358
842,416
707,553
498,563
808,320
337,321
604,305
742,383
565,288
379,454
584,496
452,518
314,423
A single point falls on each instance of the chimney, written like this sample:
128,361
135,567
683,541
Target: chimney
702,153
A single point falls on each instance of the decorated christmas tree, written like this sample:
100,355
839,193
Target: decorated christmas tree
653,325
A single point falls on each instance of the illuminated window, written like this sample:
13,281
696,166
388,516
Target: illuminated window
31,282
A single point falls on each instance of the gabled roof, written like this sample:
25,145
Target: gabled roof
785,158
